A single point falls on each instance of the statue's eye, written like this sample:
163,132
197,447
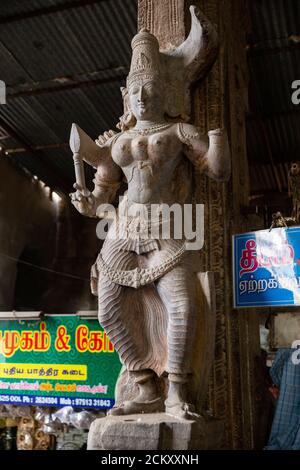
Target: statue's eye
135,90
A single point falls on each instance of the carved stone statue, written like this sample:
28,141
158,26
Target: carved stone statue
148,287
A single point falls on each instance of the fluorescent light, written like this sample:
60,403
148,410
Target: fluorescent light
13,315
87,314
56,197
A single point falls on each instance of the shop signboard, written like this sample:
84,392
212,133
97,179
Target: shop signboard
57,361
266,268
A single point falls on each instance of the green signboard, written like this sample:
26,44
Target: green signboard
57,361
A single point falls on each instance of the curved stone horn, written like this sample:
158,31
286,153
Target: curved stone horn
199,51
187,63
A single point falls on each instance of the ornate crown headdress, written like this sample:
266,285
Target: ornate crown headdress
177,68
145,62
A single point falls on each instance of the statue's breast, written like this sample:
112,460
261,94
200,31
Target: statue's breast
162,147
139,146
121,152
158,148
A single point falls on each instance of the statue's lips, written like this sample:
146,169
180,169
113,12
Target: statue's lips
142,109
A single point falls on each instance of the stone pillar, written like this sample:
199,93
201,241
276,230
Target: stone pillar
221,100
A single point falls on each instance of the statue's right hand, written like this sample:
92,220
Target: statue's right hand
104,138
83,201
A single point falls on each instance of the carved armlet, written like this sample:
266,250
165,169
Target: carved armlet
189,139
105,186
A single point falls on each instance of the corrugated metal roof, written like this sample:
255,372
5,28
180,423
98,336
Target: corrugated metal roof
13,7
53,52
44,60
94,37
271,77
273,21
273,138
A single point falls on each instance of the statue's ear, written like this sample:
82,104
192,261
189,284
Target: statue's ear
124,91
127,120
125,97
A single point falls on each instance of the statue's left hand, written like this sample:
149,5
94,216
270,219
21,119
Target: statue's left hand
219,154
219,134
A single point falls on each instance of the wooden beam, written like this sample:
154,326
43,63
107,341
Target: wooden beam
256,50
12,151
66,83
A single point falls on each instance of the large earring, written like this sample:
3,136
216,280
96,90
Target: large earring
128,120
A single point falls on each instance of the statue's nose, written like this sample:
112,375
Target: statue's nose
141,93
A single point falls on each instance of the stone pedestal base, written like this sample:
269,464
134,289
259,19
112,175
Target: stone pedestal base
157,431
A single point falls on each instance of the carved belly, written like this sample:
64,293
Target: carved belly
139,172
141,182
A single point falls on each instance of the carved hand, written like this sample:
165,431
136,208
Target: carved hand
104,138
218,136
219,154
83,202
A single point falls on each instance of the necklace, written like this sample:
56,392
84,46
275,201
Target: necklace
151,129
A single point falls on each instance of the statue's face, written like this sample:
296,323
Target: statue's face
146,100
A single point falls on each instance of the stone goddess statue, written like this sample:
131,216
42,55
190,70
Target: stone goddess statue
148,285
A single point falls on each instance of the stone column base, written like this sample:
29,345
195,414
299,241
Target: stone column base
155,431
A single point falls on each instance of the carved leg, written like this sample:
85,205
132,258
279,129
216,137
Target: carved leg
148,399
178,292
145,379
111,317
177,403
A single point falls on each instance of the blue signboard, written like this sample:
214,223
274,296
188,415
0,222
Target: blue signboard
266,268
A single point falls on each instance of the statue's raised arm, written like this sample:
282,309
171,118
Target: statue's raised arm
108,176
211,155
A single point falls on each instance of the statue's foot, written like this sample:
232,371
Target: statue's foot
181,410
134,407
